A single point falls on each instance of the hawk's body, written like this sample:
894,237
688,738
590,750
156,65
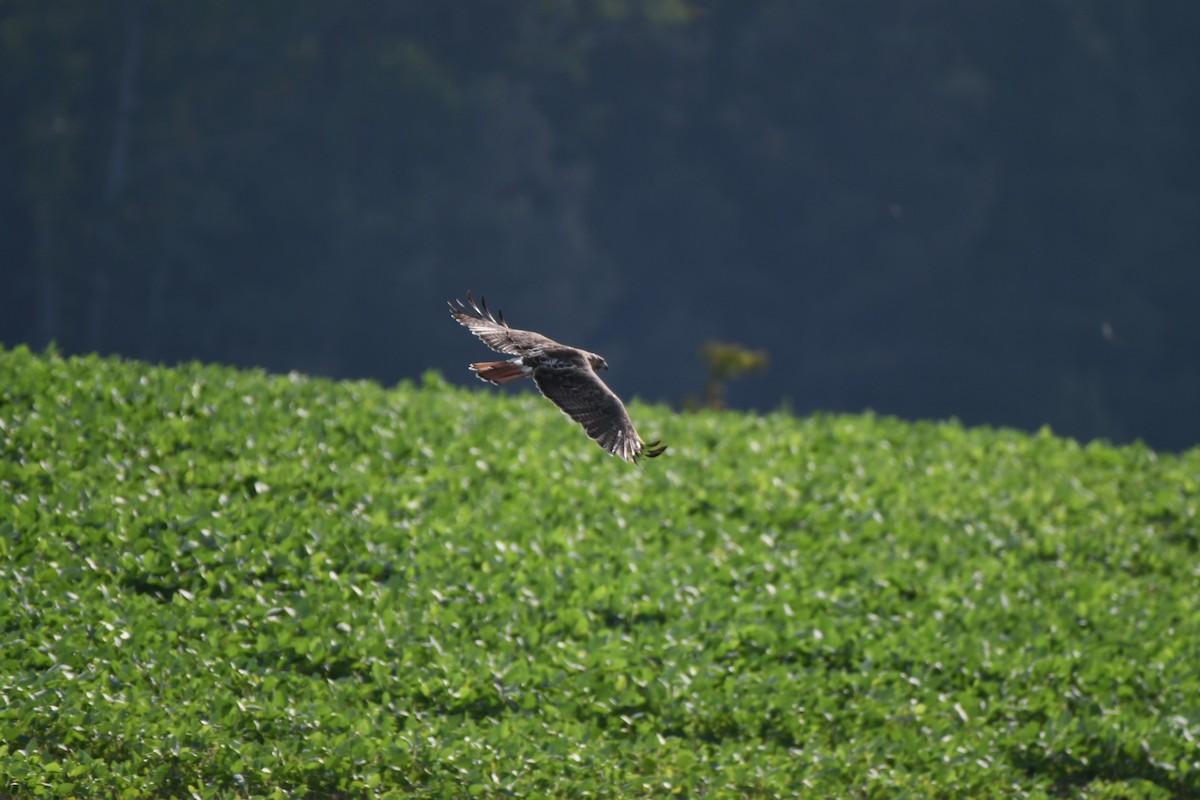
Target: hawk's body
565,375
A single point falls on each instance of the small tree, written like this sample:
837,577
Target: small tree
724,361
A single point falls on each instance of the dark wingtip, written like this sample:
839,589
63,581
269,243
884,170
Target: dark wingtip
479,308
483,309
457,306
476,309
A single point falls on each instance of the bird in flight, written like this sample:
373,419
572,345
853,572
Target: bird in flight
566,376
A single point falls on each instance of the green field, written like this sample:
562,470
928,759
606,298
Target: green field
220,583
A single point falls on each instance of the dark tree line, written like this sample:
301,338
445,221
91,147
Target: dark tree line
988,210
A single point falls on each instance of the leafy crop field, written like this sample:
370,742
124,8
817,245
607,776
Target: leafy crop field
219,583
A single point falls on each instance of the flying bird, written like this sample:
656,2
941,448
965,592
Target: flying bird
566,376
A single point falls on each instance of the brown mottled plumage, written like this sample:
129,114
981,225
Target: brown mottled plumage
566,376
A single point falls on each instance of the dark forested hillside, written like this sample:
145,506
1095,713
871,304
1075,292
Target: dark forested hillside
986,210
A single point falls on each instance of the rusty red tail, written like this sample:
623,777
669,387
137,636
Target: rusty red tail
499,371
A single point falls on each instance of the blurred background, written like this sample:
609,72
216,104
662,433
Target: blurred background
986,210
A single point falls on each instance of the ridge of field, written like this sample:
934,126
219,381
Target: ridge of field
222,583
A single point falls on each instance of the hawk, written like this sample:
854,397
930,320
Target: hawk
566,376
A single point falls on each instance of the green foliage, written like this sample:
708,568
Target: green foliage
217,583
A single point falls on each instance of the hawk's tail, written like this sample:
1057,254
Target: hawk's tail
500,371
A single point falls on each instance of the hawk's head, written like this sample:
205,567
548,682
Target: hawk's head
597,362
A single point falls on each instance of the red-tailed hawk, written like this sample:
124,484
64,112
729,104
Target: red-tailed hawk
566,376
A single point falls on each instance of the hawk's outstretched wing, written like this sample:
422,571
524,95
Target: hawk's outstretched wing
578,391
494,331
